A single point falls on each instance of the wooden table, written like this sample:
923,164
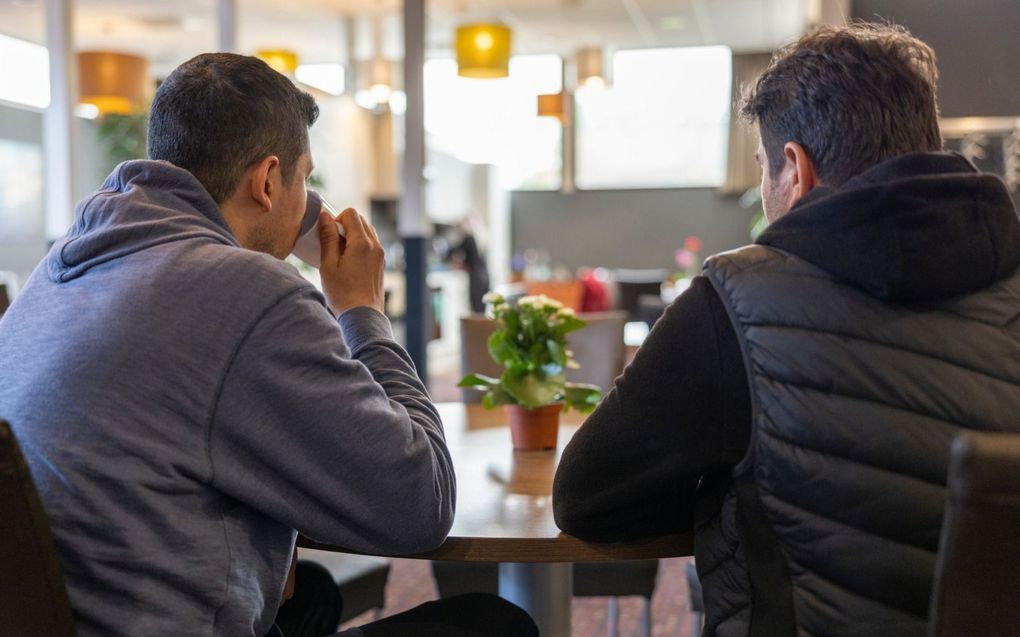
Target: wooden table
504,514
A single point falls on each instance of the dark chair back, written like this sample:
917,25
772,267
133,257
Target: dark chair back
632,284
33,599
977,577
475,330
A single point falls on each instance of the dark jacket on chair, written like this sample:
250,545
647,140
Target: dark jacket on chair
796,406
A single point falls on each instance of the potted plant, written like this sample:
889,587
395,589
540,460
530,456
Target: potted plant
530,342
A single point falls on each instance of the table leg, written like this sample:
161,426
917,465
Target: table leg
544,590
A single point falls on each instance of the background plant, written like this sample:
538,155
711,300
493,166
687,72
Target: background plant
530,342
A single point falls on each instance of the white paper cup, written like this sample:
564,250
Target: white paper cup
307,247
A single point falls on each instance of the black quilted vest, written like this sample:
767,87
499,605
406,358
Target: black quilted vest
830,525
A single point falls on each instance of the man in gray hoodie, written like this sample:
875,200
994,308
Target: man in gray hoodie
188,403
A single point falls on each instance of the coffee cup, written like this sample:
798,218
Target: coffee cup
307,247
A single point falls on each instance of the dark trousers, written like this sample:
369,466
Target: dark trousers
315,609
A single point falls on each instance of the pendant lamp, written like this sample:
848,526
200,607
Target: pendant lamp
378,84
114,83
483,50
590,67
553,105
280,60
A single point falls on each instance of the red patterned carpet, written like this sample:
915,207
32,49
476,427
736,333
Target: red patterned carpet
411,584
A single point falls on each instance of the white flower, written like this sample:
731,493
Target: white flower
492,298
539,302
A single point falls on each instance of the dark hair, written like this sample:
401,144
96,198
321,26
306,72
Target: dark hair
852,96
219,113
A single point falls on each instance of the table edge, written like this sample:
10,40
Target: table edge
564,548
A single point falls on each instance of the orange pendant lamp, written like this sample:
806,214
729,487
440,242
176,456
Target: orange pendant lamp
115,83
554,105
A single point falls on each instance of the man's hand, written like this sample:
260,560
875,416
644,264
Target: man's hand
351,267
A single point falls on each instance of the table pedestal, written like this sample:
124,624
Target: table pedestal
544,590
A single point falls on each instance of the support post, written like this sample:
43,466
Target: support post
227,26
545,591
59,135
411,220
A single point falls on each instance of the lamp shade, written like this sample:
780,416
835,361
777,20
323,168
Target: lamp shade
483,50
280,60
552,105
590,66
115,83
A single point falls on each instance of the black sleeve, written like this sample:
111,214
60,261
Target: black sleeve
680,410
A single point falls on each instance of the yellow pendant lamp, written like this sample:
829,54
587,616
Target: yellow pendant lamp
280,60
483,50
115,83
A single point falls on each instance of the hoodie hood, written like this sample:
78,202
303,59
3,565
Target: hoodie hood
142,204
918,227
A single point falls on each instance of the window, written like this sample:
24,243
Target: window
21,190
25,78
495,121
663,123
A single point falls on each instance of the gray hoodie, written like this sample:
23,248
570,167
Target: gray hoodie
186,404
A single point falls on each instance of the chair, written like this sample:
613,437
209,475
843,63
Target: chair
598,348
569,293
591,579
977,575
33,597
361,579
632,284
475,330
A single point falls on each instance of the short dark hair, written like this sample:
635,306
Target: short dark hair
219,113
852,96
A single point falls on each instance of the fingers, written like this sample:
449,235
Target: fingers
354,222
372,232
329,239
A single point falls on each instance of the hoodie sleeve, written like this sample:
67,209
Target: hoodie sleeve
680,410
341,444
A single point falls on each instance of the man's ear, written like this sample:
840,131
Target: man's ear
261,185
800,170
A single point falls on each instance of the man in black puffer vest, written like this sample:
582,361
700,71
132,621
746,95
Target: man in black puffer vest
795,406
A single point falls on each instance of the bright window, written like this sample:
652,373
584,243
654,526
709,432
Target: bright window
495,122
21,191
25,75
663,122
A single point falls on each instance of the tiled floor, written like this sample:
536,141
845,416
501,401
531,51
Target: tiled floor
411,584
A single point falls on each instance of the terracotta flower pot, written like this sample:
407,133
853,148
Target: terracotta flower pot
534,429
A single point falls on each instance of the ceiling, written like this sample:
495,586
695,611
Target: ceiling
168,33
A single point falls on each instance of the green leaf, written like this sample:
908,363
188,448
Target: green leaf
513,323
533,390
497,396
502,350
556,352
581,397
478,381
569,324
